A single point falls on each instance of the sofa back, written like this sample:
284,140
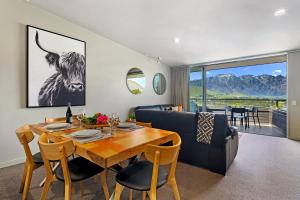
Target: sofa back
183,123
216,156
153,107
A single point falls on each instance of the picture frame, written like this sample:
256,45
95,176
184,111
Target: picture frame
56,69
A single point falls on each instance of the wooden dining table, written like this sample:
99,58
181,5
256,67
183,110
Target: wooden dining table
107,152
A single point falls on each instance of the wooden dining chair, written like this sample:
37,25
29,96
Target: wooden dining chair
59,119
148,175
33,161
118,167
145,124
74,170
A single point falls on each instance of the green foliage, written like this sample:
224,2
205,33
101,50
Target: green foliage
131,116
136,91
91,120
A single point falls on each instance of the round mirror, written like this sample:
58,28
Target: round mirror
136,81
159,83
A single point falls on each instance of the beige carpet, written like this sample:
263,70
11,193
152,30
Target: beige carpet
265,168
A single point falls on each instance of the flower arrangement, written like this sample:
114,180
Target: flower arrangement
96,119
102,119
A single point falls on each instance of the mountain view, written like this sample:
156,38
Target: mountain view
232,86
262,85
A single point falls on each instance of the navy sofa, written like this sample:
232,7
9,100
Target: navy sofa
216,157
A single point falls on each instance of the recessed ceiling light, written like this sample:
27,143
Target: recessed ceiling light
280,12
176,40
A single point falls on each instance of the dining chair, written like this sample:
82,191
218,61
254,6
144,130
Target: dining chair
118,167
239,113
33,161
145,124
74,170
149,175
254,113
58,119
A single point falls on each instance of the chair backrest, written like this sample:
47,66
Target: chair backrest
238,110
51,120
59,119
145,124
164,155
25,136
56,151
254,109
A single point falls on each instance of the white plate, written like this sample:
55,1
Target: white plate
85,133
125,125
57,126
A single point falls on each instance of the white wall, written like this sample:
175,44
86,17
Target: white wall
294,95
107,65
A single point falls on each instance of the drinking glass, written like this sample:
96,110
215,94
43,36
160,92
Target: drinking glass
81,116
113,120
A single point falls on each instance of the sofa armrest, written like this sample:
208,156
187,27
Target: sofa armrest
231,148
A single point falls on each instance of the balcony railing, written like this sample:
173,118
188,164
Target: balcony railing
265,105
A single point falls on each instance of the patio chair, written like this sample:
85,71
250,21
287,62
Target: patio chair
239,113
253,114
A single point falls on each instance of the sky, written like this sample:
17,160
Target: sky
274,69
141,81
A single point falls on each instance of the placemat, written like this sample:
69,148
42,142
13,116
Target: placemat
61,129
98,136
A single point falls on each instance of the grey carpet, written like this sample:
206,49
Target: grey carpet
265,168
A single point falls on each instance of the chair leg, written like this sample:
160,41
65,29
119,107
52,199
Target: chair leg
27,181
103,179
23,178
118,191
258,121
130,194
68,191
254,120
175,188
144,194
152,194
46,188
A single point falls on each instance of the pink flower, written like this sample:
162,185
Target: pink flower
102,119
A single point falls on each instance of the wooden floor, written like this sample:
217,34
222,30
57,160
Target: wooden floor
265,129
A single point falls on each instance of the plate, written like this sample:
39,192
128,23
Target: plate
57,126
85,133
125,125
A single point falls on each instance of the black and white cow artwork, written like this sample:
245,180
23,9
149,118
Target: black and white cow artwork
67,84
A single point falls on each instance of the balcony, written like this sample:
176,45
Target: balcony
272,113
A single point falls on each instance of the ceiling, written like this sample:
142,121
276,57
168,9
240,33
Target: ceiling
208,30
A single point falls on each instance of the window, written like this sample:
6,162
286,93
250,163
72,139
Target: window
262,85
196,88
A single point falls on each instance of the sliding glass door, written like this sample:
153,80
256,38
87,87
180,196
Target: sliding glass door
196,88
260,88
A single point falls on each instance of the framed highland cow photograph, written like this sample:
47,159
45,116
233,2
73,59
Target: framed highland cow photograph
56,69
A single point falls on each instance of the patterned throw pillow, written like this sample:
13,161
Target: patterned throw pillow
205,127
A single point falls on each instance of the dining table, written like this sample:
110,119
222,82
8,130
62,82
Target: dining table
120,146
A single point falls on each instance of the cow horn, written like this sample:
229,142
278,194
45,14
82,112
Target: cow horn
38,43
